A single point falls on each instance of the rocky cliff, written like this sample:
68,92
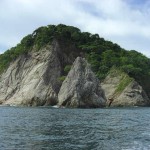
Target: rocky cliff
31,73
33,78
123,90
81,87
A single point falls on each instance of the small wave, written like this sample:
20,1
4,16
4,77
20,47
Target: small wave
55,106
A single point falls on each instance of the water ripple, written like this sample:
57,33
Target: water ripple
75,129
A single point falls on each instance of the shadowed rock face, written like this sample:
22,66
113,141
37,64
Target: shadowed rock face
132,95
81,88
32,79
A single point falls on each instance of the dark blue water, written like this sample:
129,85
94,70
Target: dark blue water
74,129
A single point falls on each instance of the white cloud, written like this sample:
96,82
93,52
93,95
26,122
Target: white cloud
124,22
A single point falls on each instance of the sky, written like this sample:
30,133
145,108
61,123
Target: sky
125,22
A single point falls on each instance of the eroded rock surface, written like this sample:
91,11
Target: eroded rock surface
81,88
124,90
33,79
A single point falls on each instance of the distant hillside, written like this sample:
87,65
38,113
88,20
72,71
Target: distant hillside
101,54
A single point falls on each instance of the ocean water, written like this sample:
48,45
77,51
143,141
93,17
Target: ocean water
44,128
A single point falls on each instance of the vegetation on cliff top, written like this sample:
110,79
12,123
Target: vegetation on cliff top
125,80
100,53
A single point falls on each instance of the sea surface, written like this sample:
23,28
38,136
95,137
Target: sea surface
45,128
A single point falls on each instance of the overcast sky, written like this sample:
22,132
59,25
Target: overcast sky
125,22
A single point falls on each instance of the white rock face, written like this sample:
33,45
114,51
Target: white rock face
81,88
132,95
26,81
33,78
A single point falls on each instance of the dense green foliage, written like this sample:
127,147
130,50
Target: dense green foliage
23,47
67,69
100,53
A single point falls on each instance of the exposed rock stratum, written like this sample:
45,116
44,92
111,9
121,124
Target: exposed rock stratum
123,90
81,88
33,78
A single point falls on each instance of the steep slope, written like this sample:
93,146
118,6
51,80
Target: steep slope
33,78
32,72
81,87
123,90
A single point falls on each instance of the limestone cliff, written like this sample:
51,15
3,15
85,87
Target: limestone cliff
123,90
33,78
81,88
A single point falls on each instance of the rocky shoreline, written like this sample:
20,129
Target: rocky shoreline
33,80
